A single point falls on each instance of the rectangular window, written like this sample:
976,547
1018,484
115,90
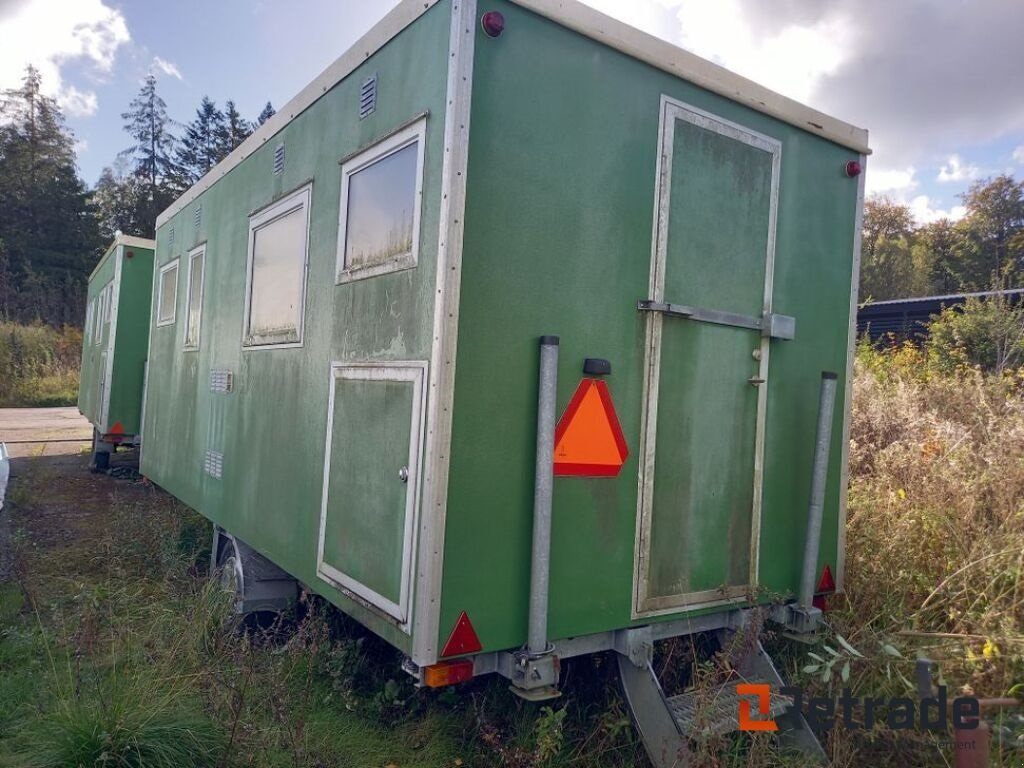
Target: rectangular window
278,260
168,300
89,309
109,303
194,300
379,221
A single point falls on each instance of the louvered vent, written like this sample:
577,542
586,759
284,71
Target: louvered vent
170,236
198,214
368,97
278,159
213,464
221,381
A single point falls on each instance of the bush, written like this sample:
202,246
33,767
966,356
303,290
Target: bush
39,365
988,334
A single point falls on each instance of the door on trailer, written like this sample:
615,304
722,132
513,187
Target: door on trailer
371,482
103,402
706,363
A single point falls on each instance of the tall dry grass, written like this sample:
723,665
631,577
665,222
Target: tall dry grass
39,364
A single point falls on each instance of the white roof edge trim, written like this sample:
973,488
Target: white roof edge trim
573,15
129,240
135,242
701,72
396,20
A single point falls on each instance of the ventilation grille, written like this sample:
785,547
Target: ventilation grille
170,236
278,159
368,97
198,214
221,381
213,464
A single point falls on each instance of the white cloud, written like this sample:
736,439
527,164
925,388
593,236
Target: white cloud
77,103
1018,154
52,33
894,182
789,57
167,67
956,170
924,213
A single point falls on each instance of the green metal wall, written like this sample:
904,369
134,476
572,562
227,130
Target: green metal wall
271,428
131,339
560,199
126,337
90,373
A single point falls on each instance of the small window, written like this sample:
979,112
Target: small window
88,321
379,221
168,293
194,300
108,304
276,279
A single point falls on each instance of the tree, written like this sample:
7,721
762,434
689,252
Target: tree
146,121
237,129
202,144
267,113
994,225
47,223
988,333
118,197
887,267
938,255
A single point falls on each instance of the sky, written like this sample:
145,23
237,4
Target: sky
937,82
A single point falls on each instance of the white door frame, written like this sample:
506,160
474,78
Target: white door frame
644,605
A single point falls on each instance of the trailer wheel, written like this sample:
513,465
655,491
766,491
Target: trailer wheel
228,568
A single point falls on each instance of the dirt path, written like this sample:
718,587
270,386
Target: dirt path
44,431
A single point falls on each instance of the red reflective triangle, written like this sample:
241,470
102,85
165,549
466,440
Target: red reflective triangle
589,440
117,429
827,583
463,638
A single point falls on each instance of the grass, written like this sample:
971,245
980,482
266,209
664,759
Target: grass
40,365
114,647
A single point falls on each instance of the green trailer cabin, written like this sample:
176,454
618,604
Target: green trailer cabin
515,336
114,343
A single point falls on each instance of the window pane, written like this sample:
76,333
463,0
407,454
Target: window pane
278,263
168,294
195,300
381,202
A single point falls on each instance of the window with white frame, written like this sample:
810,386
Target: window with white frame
89,309
167,300
276,272
379,220
109,313
194,298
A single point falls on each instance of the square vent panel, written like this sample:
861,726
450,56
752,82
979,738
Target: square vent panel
213,464
221,381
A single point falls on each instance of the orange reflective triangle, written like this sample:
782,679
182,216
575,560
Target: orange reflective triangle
463,638
117,429
588,439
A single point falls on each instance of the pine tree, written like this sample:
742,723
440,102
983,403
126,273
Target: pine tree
146,121
267,113
238,129
47,223
118,200
202,144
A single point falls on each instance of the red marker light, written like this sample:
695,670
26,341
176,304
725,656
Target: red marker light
853,169
493,23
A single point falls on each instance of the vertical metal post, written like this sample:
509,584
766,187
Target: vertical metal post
819,477
540,566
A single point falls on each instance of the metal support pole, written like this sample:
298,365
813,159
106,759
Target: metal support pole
540,567
819,477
